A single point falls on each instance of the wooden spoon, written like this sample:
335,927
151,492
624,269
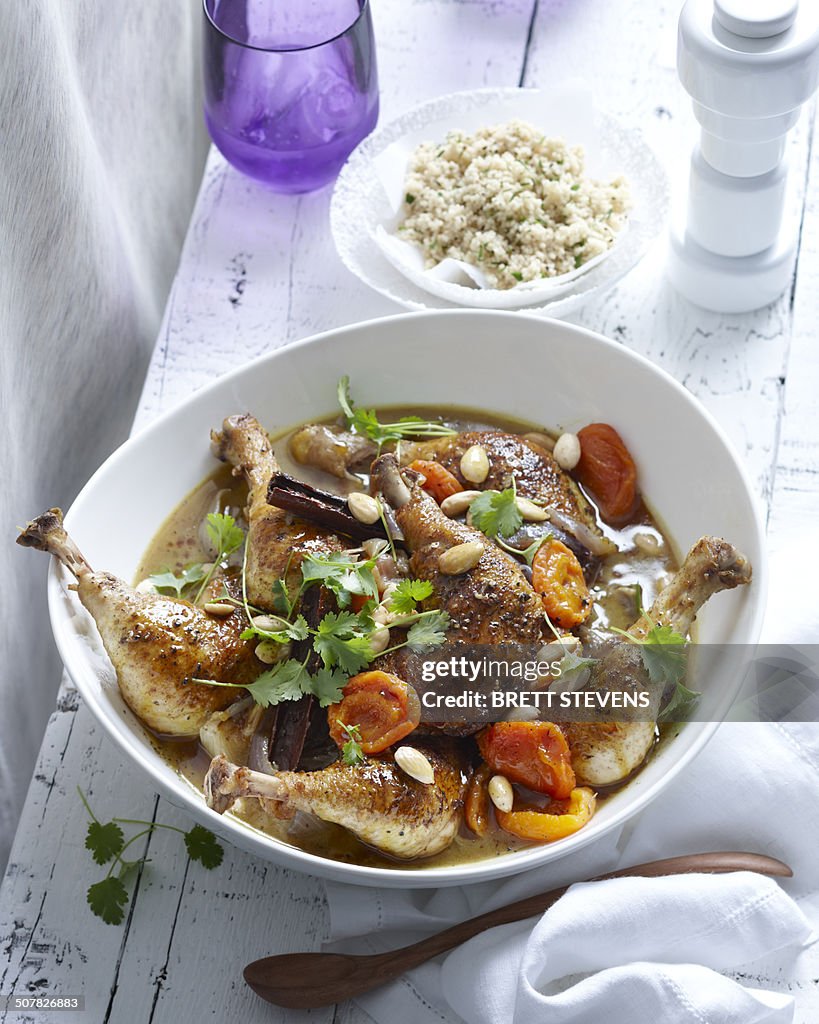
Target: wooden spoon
307,980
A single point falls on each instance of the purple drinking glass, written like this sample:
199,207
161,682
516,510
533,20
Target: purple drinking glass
291,86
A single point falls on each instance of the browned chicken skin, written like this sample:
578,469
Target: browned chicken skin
379,803
537,475
608,752
493,603
154,642
276,541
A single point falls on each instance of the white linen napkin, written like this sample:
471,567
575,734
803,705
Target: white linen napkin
629,950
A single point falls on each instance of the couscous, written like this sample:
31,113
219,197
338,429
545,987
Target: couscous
510,201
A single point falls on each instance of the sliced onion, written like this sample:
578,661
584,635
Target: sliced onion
590,540
261,742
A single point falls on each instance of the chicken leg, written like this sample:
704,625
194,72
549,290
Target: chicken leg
379,803
155,643
493,603
605,753
276,541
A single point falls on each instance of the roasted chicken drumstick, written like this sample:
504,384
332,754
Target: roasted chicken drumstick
276,542
493,603
375,800
606,753
154,642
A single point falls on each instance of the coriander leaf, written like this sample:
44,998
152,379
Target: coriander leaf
107,899
429,631
226,536
168,581
681,704
281,599
663,652
340,574
326,686
204,847
341,639
407,595
496,513
286,681
366,422
351,752
104,841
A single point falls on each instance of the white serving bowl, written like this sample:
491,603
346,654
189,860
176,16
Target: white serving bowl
545,371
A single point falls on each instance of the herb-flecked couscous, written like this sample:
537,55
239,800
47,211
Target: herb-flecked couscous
510,201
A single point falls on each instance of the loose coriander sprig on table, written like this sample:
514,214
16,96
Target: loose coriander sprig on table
366,422
107,843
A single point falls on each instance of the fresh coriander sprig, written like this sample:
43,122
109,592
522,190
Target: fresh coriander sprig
290,680
194,573
408,594
341,574
427,629
663,651
351,752
342,640
107,844
366,422
226,537
496,513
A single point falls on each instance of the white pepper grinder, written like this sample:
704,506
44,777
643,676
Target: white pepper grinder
749,66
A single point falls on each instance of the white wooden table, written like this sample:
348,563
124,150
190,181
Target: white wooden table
259,271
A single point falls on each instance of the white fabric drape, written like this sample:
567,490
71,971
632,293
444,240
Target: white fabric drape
101,150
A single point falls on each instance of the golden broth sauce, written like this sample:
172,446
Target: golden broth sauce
629,578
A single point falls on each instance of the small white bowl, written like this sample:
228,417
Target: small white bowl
366,202
541,370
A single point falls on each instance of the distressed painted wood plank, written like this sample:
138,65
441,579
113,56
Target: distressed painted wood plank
50,940
795,506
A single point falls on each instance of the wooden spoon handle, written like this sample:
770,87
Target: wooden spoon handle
307,980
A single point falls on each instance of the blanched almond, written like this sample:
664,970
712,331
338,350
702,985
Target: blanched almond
218,608
567,451
379,639
461,558
269,652
540,439
415,764
501,793
457,504
530,511
266,624
475,464
364,507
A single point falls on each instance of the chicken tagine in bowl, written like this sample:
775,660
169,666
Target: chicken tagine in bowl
299,644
